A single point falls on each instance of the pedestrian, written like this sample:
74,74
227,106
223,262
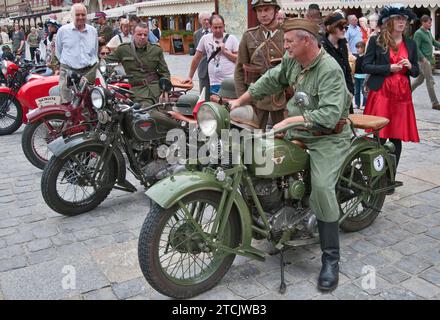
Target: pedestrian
4,35
52,62
424,41
156,30
103,52
18,41
221,49
105,32
353,34
143,61
335,43
123,37
314,14
313,71
359,76
261,49
76,48
391,58
188,26
32,40
281,16
202,68
363,23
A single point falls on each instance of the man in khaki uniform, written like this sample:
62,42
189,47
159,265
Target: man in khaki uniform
105,32
145,62
261,48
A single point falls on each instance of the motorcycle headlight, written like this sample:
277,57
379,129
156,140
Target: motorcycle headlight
103,66
4,68
212,118
98,98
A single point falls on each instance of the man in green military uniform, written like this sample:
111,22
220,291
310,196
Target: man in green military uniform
309,69
145,62
261,48
105,32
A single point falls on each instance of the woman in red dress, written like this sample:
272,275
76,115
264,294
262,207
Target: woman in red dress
391,59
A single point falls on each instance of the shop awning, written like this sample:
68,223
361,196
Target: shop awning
174,7
116,12
291,5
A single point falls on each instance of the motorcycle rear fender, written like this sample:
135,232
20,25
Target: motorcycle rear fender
362,145
169,191
62,148
36,114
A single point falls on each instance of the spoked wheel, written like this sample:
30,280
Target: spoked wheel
36,136
10,114
68,185
362,206
175,257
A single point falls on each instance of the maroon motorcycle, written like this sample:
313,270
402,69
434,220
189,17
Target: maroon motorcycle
49,122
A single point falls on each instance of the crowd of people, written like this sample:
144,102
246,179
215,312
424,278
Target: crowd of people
332,59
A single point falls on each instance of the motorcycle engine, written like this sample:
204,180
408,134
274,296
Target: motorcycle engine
269,194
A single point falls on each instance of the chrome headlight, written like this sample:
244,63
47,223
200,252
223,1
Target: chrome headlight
212,118
4,68
98,97
207,120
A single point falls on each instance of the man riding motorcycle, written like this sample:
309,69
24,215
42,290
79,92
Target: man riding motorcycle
310,69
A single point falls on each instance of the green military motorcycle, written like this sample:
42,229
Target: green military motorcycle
202,219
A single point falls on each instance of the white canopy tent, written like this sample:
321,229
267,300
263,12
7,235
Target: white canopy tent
295,5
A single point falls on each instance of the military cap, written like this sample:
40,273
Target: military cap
301,24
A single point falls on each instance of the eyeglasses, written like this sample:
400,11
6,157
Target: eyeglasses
342,27
104,53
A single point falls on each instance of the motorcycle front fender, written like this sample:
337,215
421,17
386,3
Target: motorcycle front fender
169,191
7,90
362,145
36,114
62,148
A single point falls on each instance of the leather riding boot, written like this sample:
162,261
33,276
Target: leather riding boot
329,238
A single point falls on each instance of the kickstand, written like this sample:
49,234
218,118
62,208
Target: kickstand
282,289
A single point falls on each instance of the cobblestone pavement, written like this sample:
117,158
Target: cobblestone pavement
38,247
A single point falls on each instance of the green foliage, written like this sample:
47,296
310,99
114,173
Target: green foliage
183,33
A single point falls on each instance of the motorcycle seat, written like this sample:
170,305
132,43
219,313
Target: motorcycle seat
177,82
299,144
181,117
362,121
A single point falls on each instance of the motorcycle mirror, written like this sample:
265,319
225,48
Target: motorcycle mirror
302,99
165,84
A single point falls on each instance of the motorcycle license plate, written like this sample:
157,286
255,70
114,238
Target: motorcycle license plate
47,101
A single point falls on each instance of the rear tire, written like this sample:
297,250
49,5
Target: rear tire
184,240
73,177
369,208
28,143
11,114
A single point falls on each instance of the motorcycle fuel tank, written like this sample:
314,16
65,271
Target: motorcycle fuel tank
35,89
150,126
277,159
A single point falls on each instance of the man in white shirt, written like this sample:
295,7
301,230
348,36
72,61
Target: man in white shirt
221,50
76,48
123,37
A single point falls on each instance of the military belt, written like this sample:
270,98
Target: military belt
148,80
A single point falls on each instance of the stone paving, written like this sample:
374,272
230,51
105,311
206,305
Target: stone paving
40,249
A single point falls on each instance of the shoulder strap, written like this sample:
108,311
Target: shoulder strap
217,51
120,38
133,49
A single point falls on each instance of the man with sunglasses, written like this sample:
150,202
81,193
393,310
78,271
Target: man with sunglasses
261,48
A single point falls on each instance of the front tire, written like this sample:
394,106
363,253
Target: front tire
11,114
173,256
64,181
36,136
368,209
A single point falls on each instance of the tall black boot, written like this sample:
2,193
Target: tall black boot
329,237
